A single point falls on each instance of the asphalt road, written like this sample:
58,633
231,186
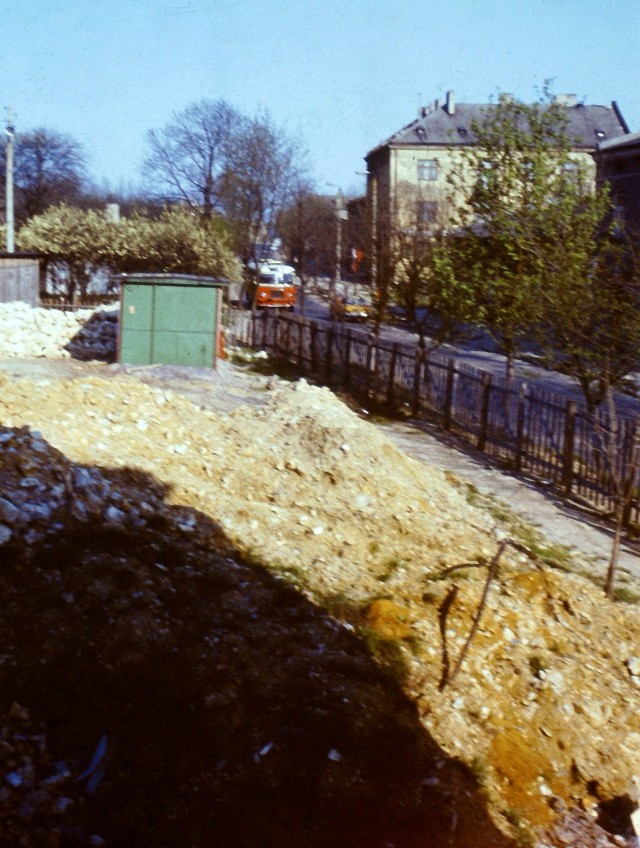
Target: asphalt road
479,352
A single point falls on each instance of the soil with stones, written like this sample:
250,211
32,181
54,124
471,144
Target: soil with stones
234,614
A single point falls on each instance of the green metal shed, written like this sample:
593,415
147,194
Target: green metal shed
169,319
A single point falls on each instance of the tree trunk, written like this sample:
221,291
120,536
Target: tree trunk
510,361
615,549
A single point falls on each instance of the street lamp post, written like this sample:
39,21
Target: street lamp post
9,219
338,272
341,215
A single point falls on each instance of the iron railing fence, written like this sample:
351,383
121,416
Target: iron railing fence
526,428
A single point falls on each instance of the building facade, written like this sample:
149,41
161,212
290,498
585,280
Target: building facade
409,174
618,161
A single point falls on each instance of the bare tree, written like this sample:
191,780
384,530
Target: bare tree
50,168
263,169
307,228
189,157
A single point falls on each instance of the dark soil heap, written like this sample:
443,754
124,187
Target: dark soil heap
178,695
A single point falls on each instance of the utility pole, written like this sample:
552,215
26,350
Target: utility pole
9,219
341,215
338,235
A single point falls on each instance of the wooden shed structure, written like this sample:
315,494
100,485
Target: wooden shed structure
20,277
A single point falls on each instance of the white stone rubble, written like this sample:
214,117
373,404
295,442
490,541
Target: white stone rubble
33,332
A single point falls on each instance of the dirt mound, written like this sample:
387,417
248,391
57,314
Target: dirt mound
282,579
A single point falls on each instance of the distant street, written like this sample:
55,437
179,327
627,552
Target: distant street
477,354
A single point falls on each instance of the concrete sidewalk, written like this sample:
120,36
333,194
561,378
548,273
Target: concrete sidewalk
559,522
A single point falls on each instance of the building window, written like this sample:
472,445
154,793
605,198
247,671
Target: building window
573,174
427,212
427,169
483,173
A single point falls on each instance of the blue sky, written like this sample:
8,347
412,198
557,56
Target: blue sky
342,75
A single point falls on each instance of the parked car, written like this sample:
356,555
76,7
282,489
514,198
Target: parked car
350,309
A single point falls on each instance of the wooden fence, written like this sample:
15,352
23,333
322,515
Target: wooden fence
525,428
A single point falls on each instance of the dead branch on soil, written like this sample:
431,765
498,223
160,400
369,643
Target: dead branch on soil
443,612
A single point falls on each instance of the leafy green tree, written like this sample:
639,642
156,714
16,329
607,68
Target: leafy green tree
591,307
527,190
425,283
540,250
78,243
592,327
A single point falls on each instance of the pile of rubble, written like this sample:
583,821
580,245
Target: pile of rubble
178,693
27,331
298,587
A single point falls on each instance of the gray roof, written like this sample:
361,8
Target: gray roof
629,140
587,126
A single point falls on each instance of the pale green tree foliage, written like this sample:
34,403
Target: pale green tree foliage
592,312
421,264
539,247
74,243
177,241
77,243
591,306
530,218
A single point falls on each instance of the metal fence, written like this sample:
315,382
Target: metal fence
528,429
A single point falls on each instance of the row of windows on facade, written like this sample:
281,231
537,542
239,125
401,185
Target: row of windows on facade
428,169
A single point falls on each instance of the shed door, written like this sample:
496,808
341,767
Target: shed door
184,325
168,325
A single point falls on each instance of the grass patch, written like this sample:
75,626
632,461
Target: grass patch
551,554
386,651
480,771
342,606
625,595
389,569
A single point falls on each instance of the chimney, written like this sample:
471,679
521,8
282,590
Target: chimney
113,212
450,105
566,99
436,105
